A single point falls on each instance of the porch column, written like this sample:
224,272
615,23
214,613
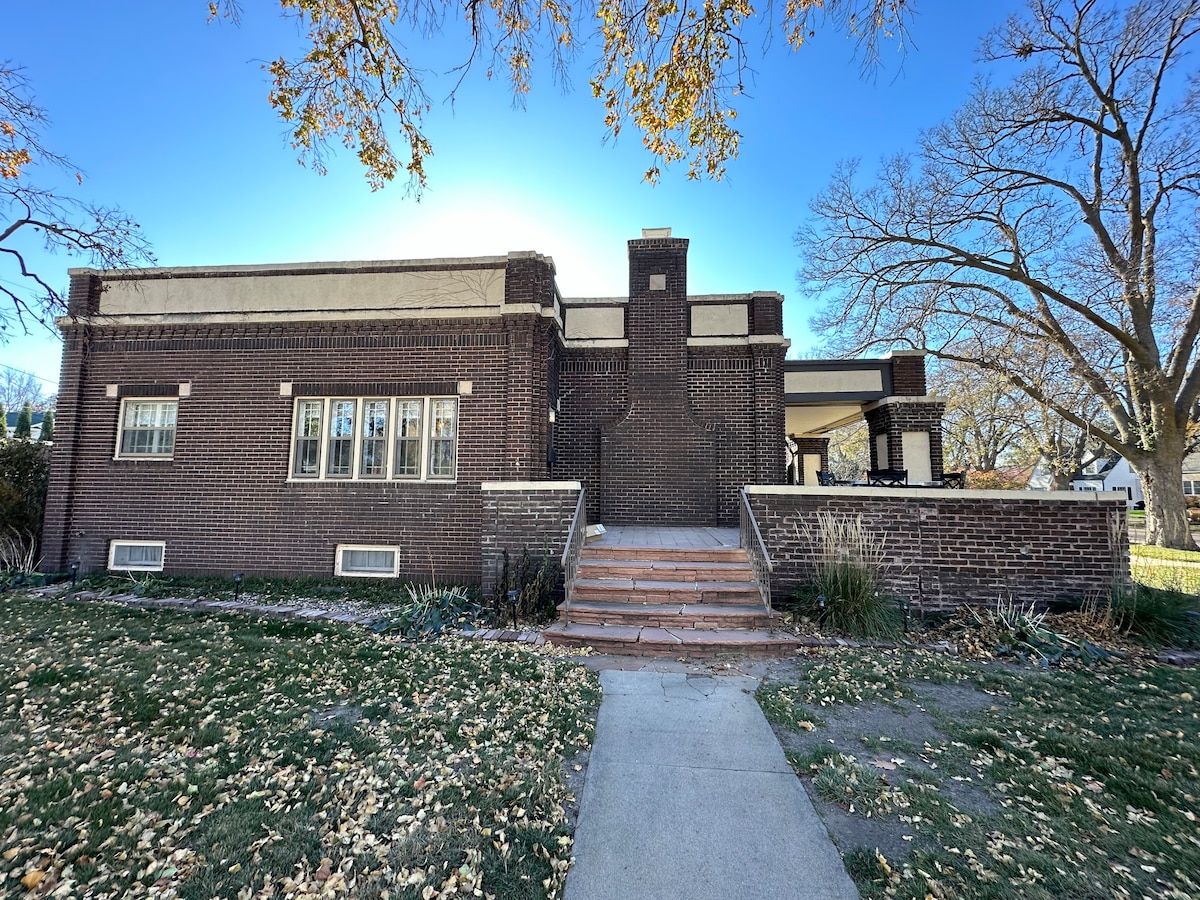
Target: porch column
906,433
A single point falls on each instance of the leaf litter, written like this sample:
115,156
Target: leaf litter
163,754
951,778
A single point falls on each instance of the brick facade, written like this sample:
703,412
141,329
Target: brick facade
949,547
665,430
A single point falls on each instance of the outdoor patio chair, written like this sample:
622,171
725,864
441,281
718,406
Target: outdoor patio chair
887,477
955,480
825,479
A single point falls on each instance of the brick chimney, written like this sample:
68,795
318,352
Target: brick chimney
658,463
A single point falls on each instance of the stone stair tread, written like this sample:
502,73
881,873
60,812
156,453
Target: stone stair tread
678,554
732,609
652,640
628,584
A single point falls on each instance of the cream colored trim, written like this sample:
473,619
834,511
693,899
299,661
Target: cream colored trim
595,301
513,309
374,265
531,486
938,493
340,315
766,339
595,343
894,353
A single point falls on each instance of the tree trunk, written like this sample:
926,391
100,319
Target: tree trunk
1166,507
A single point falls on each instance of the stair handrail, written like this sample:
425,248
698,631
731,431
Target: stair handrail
574,549
752,542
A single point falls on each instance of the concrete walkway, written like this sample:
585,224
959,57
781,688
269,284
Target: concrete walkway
688,795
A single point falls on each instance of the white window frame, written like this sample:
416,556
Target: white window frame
126,402
426,439
112,556
339,568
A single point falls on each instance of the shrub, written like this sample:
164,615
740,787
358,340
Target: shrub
24,477
849,564
1156,615
538,581
429,611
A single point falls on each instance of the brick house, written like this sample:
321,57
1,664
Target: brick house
371,418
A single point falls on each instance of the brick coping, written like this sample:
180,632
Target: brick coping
922,491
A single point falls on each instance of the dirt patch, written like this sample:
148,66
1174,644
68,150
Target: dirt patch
574,772
891,742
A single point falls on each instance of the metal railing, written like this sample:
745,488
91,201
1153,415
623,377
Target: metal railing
752,542
571,553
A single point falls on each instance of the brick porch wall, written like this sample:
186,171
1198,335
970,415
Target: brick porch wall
950,547
518,516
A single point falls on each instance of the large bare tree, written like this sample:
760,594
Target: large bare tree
1052,220
35,212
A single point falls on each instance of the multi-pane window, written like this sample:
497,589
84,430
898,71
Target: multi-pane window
402,438
306,455
1191,487
408,438
372,459
147,428
339,461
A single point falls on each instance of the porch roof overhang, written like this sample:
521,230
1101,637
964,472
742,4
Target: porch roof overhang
822,394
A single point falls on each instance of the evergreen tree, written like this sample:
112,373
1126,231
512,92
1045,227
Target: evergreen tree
47,434
24,429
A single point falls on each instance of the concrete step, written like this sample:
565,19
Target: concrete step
682,592
665,554
668,615
665,570
633,640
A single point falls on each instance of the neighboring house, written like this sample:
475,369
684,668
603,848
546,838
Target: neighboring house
360,418
35,431
1191,474
1108,472
1105,471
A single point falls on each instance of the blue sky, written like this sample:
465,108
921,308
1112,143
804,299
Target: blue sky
166,116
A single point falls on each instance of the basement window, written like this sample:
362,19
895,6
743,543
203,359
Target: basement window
136,556
365,561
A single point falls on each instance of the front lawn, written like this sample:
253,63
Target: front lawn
947,778
174,755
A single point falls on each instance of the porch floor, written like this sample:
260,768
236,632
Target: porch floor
685,537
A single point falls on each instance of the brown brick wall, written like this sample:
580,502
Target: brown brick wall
948,548
516,519
593,392
908,376
893,419
223,503
811,445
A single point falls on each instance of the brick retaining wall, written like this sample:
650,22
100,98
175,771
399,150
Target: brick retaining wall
517,516
947,547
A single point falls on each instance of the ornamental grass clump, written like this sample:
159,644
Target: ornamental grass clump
849,564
